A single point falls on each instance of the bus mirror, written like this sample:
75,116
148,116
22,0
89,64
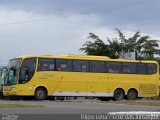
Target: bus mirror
3,74
24,74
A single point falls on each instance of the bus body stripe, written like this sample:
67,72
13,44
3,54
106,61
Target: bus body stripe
100,94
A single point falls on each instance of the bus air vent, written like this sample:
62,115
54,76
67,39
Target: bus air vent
148,89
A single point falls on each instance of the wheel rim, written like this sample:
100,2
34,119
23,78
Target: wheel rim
40,94
119,95
132,95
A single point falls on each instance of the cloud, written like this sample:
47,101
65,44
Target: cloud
60,35
125,14
62,26
114,12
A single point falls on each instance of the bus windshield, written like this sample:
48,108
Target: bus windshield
12,67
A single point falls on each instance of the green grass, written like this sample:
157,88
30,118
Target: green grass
19,106
140,102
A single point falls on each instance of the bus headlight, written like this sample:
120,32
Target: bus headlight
13,88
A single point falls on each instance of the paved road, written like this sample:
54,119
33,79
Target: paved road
74,107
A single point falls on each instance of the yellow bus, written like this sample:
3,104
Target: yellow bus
80,75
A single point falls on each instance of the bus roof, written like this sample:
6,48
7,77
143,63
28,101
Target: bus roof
67,56
85,57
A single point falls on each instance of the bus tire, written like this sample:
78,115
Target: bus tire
40,94
119,94
132,94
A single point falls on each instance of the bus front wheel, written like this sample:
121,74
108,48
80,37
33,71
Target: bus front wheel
132,95
40,94
119,94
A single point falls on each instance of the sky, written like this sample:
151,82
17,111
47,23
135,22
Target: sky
56,27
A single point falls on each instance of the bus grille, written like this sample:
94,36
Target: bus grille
148,89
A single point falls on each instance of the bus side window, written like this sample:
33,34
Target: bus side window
142,68
113,67
63,65
46,64
97,66
80,66
130,68
152,68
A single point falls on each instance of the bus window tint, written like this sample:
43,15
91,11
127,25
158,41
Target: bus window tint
142,68
45,64
80,65
97,66
130,68
114,67
152,68
63,65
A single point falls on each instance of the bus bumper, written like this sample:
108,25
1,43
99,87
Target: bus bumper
9,93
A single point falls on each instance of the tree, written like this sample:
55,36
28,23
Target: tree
133,44
115,48
97,47
143,45
150,47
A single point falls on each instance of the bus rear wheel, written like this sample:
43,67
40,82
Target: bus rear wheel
119,94
132,95
40,94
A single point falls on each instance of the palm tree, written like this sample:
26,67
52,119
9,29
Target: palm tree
115,48
97,47
142,45
150,47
